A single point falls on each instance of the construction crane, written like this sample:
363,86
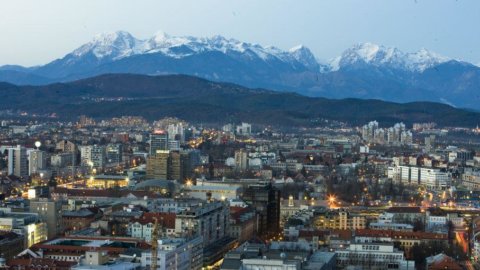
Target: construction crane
154,243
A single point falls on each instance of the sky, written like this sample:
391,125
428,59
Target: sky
36,32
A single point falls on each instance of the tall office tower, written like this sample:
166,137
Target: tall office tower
158,141
265,199
50,212
37,161
93,155
175,163
17,161
114,153
241,160
157,165
429,143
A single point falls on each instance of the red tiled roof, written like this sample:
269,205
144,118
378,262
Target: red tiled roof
444,262
165,219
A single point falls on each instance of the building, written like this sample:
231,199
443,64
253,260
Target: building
65,146
441,262
157,165
114,152
143,226
244,129
158,141
242,223
265,199
210,220
10,244
62,160
241,160
107,181
101,261
176,132
471,179
17,161
50,212
26,224
342,220
37,161
93,156
176,254
168,165
432,179
379,256
80,219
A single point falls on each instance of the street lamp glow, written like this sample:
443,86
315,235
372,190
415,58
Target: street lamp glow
38,144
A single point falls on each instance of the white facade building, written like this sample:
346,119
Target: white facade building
176,253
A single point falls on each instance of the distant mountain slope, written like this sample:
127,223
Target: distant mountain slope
199,100
363,71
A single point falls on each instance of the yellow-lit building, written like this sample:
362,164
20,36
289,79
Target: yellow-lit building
26,224
107,181
342,220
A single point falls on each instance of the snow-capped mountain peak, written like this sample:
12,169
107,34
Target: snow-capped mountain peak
109,45
380,56
120,44
303,55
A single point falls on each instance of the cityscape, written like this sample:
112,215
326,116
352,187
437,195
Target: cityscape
193,152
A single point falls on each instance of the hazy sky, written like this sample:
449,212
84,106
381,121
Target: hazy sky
37,31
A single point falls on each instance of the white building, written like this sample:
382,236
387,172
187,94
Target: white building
93,155
176,253
270,264
432,179
373,256
37,161
241,160
244,129
17,161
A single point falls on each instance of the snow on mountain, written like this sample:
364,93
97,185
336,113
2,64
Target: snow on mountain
115,45
118,45
380,56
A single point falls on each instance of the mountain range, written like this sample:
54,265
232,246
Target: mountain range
365,70
202,101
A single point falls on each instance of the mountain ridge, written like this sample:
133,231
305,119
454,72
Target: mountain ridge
199,100
364,71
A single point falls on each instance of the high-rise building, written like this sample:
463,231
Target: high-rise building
50,212
158,141
157,165
265,199
37,161
114,153
171,165
17,161
241,160
429,143
93,155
